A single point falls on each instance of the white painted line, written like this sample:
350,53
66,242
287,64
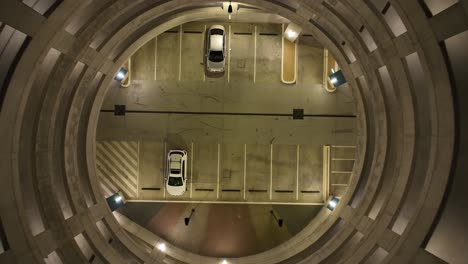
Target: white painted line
325,67
220,202
271,171
180,52
343,146
339,184
165,169
155,58
255,54
203,53
217,181
297,173
342,172
138,169
282,51
191,169
341,159
326,172
245,168
229,55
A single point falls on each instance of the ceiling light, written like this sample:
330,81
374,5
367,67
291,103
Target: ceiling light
224,262
121,75
162,247
337,78
333,203
291,34
118,199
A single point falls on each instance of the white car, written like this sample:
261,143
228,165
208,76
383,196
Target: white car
176,172
215,49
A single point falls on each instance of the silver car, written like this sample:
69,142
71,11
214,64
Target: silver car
215,49
176,172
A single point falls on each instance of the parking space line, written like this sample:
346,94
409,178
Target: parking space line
229,55
271,171
180,52
297,174
191,169
138,169
255,54
203,53
164,168
217,184
155,57
245,167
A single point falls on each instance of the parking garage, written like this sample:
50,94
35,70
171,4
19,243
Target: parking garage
257,136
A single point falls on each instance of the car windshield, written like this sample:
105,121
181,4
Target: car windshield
175,181
216,56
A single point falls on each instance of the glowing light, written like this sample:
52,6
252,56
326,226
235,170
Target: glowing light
224,262
162,247
291,34
334,80
120,75
333,203
118,199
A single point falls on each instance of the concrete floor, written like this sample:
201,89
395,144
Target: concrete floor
242,143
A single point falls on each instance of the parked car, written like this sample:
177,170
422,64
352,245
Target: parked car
176,172
215,49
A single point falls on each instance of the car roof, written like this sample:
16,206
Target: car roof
216,42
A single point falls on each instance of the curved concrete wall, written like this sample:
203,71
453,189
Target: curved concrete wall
51,206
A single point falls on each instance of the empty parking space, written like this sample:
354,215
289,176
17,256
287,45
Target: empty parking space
168,54
310,173
242,52
258,172
284,172
151,169
232,172
205,171
268,53
192,52
310,61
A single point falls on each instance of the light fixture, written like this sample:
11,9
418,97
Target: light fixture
224,261
121,74
118,199
292,32
230,8
115,201
333,203
162,247
337,78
